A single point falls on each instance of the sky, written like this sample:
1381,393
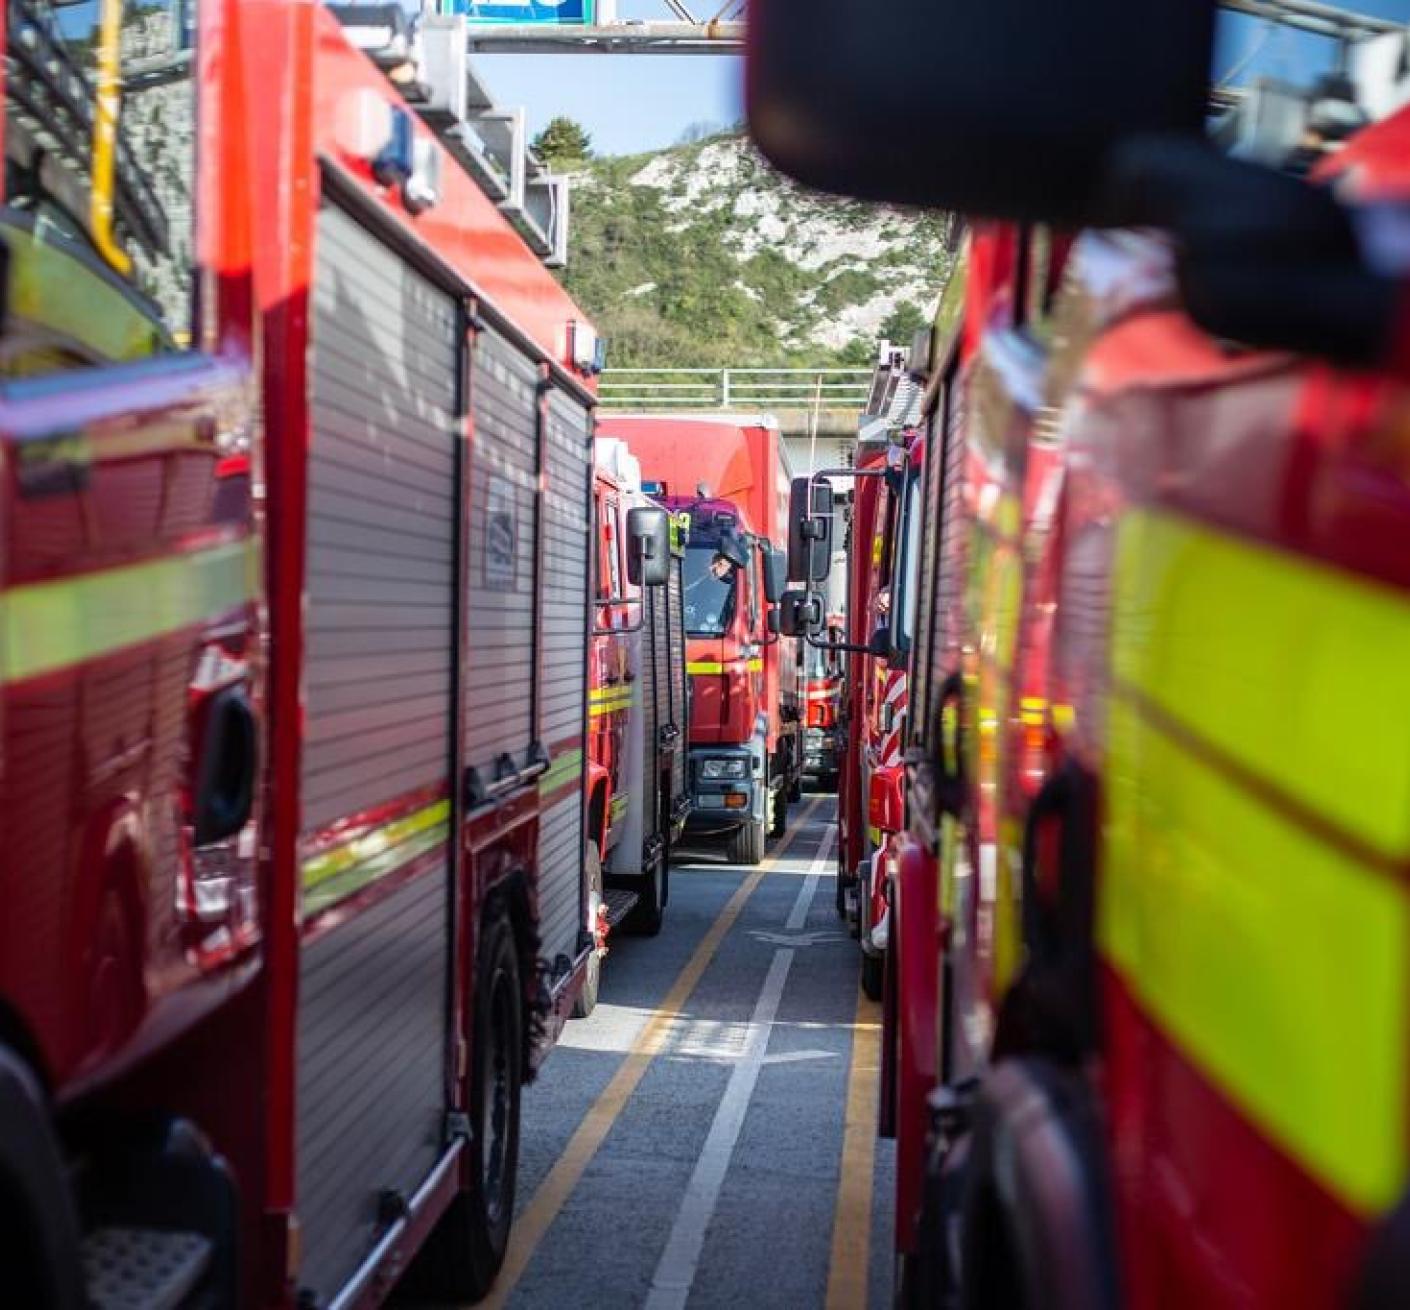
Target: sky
628,103
635,103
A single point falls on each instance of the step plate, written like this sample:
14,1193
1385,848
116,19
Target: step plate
619,904
142,1268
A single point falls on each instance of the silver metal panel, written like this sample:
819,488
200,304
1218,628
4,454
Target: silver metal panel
382,513
501,546
372,1033
380,651
680,681
567,556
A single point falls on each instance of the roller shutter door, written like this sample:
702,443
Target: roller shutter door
380,651
568,545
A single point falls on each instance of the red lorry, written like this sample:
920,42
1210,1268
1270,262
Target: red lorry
295,556
824,675
636,777
1158,1058
729,477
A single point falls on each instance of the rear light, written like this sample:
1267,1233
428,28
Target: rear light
736,801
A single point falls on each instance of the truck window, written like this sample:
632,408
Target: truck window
100,153
611,548
709,600
908,568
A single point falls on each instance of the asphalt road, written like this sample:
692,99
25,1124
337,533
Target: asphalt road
684,1145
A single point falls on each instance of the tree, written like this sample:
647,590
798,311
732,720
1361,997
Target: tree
563,142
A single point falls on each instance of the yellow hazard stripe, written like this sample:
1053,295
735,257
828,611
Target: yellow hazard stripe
53,625
1258,931
715,666
564,769
609,701
1295,670
334,874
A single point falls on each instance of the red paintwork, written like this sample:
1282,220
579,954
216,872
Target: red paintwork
609,661
96,756
851,787
741,464
1288,452
911,1031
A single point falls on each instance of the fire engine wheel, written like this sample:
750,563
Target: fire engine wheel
39,1236
649,911
1036,1224
873,976
746,844
778,812
465,1252
592,978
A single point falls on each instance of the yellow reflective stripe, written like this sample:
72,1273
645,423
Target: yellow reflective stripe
53,625
1276,962
334,874
619,805
564,769
714,666
606,700
1294,670
1273,954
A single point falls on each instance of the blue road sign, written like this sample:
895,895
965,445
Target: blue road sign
548,13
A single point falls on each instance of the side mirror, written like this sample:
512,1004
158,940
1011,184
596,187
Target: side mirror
1031,97
810,507
1263,258
772,620
775,574
648,546
799,613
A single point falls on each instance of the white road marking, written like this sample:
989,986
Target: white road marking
676,1270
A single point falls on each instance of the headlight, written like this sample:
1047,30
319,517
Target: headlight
724,769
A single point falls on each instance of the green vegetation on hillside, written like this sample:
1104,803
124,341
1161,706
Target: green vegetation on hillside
710,258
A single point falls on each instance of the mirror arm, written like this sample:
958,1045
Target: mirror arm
636,626
847,647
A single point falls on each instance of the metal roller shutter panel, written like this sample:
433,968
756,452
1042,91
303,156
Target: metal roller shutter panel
501,544
379,659
681,689
567,558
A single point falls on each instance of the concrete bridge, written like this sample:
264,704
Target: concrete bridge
818,410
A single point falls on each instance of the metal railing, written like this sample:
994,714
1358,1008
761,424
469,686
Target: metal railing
748,389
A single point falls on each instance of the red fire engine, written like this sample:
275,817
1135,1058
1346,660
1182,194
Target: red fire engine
745,730
1157,786
824,673
297,445
638,716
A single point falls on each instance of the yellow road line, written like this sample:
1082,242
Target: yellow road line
851,1222
530,1227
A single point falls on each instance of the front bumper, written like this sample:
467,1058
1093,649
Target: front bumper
723,804
820,753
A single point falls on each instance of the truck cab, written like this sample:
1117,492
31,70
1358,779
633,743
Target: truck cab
745,729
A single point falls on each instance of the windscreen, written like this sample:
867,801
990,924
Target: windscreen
1292,87
711,588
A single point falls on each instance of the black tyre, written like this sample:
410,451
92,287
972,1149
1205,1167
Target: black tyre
463,1255
873,976
592,980
647,914
746,844
778,813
